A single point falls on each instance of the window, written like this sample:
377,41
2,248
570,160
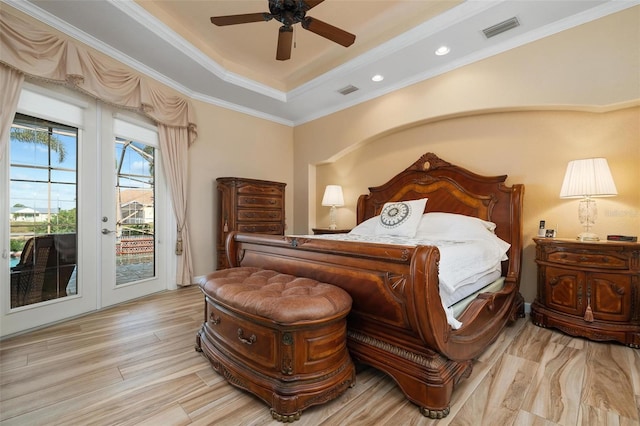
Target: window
43,210
135,225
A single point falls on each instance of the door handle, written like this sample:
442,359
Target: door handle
105,231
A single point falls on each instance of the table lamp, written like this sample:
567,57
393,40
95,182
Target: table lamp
333,197
586,179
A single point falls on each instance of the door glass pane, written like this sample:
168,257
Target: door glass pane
43,210
135,230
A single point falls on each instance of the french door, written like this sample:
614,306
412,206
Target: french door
134,211
84,210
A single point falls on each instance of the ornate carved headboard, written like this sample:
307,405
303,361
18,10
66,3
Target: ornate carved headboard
453,189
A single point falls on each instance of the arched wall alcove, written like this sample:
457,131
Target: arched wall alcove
497,97
532,146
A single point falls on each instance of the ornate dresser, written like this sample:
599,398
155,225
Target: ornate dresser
248,205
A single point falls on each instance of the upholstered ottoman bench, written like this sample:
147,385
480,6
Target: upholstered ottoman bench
280,337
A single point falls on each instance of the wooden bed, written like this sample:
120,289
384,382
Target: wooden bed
397,323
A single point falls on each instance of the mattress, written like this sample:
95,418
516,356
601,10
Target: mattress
460,306
466,267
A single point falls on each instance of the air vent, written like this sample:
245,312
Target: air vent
501,27
348,89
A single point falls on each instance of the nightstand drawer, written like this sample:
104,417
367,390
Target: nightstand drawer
588,259
323,231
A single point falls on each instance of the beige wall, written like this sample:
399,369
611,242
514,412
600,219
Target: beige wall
531,147
593,67
524,113
232,144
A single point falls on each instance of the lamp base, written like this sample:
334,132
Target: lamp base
587,236
332,218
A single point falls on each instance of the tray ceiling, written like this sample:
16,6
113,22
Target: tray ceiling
235,66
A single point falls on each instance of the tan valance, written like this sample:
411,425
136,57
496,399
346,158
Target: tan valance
27,49
40,53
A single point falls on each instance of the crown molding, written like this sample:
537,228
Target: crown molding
429,28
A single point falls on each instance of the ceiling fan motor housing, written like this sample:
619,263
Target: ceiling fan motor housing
288,12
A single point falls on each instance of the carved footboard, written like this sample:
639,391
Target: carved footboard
397,323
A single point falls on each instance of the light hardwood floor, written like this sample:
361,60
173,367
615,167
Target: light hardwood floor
135,364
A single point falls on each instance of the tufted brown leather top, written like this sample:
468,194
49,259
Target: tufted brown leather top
279,297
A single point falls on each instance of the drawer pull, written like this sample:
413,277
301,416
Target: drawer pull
250,341
214,320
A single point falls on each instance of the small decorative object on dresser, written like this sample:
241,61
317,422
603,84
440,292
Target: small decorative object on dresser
248,205
589,289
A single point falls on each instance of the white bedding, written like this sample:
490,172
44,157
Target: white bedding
470,252
461,262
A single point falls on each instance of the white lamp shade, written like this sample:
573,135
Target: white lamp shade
333,196
589,177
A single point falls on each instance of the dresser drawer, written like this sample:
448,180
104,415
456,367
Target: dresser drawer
596,260
253,343
256,201
253,215
251,189
261,228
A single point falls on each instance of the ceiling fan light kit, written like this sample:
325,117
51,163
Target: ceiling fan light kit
289,13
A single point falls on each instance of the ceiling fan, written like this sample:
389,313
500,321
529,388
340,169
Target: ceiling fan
290,12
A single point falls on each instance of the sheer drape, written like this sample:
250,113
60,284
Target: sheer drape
174,160
10,85
43,54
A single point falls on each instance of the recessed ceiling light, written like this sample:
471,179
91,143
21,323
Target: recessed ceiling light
377,78
442,50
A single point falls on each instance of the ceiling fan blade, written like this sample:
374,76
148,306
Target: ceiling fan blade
285,40
240,19
312,3
328,31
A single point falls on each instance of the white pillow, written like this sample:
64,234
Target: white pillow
368,227
458,227
400,218
453,226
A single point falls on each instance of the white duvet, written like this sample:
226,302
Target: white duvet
470,252
461,262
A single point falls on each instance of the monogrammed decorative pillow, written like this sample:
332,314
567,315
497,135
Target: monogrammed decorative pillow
401,218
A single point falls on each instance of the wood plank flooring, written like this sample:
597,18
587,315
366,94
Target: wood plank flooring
135,364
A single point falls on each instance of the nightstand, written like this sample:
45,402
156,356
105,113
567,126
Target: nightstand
589,289
320,231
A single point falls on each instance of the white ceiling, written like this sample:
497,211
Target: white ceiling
174,42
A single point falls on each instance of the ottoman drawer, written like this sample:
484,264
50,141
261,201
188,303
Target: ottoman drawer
255,345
